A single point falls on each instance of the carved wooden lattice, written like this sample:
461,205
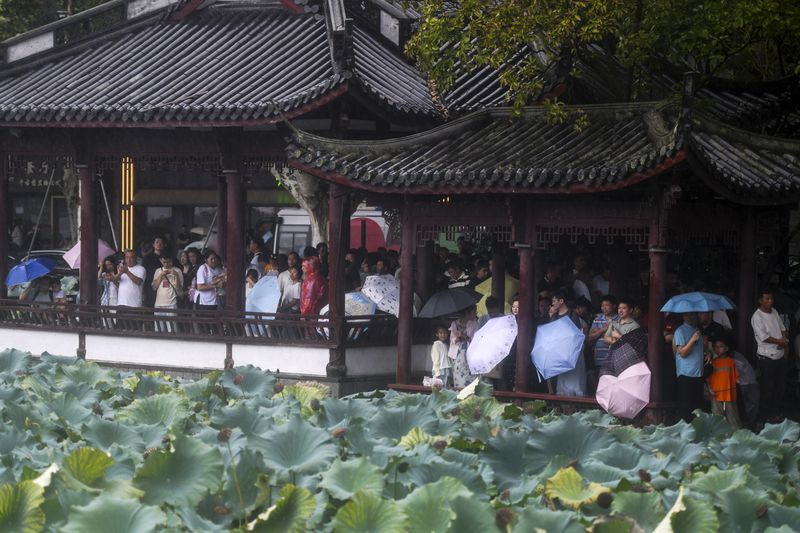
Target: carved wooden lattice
631,236
473,233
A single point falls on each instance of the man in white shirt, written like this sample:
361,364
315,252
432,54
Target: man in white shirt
131,276
167,284
285,277
209,278
773,344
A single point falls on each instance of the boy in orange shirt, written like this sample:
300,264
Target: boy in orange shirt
722,382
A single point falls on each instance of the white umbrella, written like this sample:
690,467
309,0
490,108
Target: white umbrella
73,255
384,290
491,344
355,304
625,395
557,348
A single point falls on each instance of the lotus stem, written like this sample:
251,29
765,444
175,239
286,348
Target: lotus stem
236,483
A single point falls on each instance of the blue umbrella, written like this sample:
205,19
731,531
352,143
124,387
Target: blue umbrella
30,269
697,302
265,296
557,348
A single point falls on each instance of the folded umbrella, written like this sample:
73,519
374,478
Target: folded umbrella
384,290
511,287
557,348
491,344
73,255
625,395
355,304
449,302
697,302
30,269
629,350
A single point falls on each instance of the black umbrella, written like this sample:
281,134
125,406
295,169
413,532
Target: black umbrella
449,302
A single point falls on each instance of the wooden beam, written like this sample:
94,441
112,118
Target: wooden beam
658,275
88,235
234,288
222,216
527,303
405,320
5,211
747,282
338,242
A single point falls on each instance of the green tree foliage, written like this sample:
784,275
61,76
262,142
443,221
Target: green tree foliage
18,16
740,39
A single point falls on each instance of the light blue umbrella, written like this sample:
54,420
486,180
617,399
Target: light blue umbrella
265,296
697,302
30,269
557,348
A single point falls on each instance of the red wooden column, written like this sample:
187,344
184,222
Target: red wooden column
405,325
658,275
338,242
499,271
527,304
747,282
88,235
234,288
5,209
425,274
221,225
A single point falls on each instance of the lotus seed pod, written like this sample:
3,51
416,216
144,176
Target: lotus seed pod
504,517
455,411
338,433
278,388
604,500
505,495
221,510
762,510
238,379
315,404
224,435
644,476
440,445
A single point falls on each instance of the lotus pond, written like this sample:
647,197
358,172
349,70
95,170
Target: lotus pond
87,449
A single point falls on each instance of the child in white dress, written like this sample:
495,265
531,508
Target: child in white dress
441,362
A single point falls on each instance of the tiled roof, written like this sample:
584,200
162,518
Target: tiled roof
753,168
232,66
491,151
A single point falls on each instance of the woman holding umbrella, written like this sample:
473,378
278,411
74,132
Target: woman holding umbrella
461,332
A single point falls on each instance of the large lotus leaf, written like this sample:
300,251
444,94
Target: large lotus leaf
194,522
13,439
479,408
202,388
21,507
114,515
511,458
12,361
647,508
739,510
181,477
151,383
472,516
716,480
83,372
786,431
242,416
86,394
307,391
368,513
247,381
167,410
569,488
297,446
290,514
105,433
67,408
10,394
430,471
536,519
710,427
760,464
344,478
688,515
394,422
249,466
336,410
780,515
428,506
570,437
620,461
87,465
682,453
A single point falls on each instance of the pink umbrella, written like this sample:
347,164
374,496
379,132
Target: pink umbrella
73,255
625,395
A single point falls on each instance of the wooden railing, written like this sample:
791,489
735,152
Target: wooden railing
241,327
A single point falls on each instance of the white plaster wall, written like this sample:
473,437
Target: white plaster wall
290,359
155,352
421,358
37,342
371,361
29,47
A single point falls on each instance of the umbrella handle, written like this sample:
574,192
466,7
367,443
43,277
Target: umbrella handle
108,214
